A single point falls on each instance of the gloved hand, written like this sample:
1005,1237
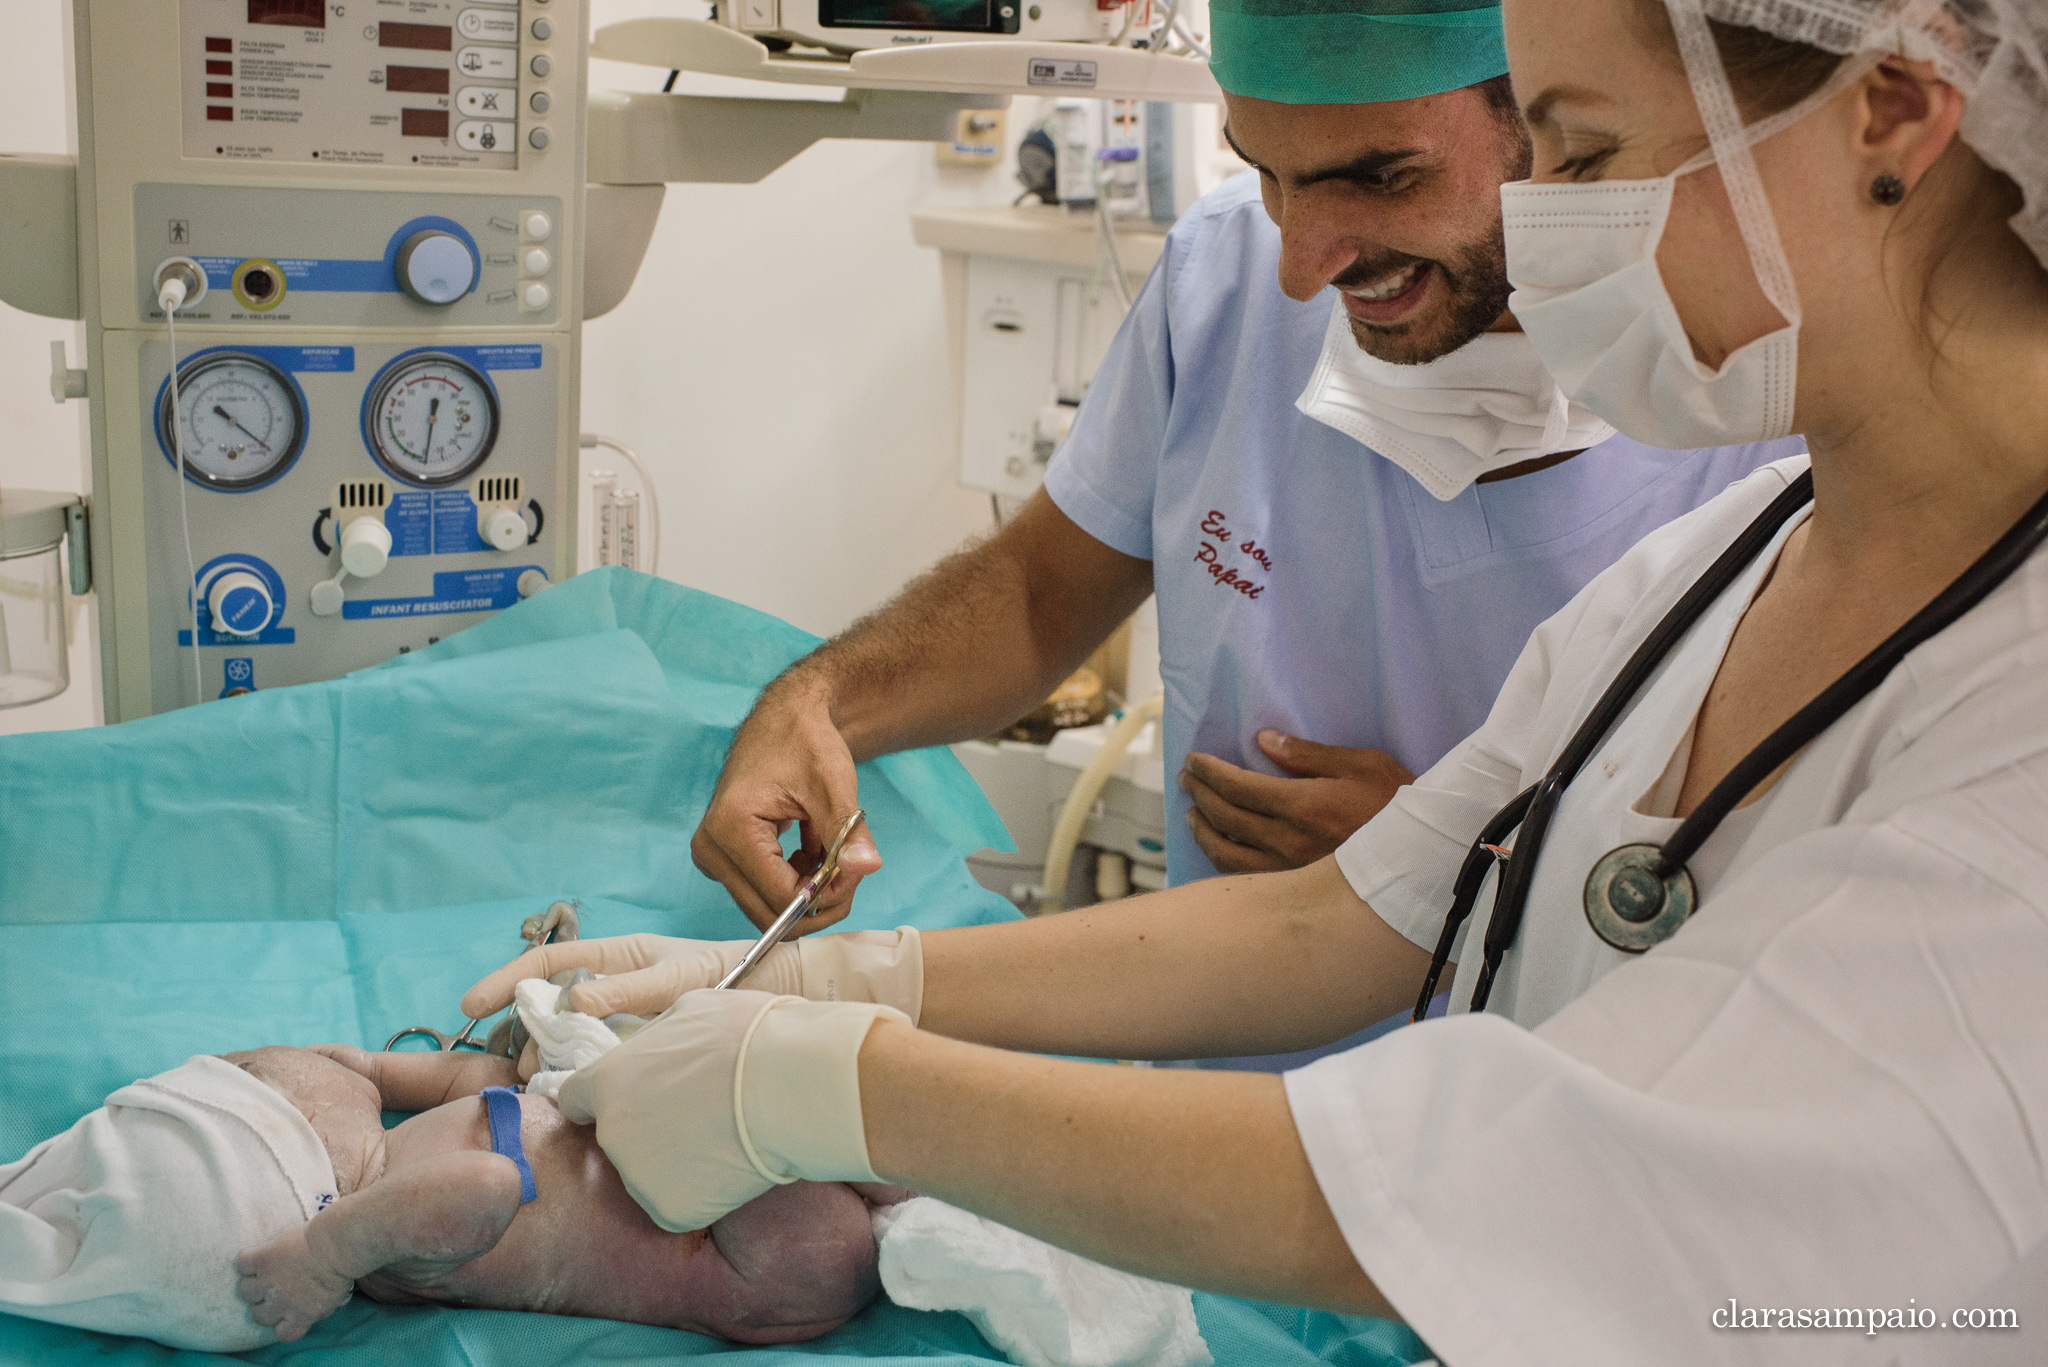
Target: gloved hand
727,1095
649,972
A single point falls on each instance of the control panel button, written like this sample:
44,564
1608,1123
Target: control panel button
537,225
539,138
540,103
240,603
491,25
536,295
532,582
365,546
479,135
490,63
537,261
543,29
486,101
435,267
540,66
504,529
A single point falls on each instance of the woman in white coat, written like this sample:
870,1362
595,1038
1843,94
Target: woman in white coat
1828,1087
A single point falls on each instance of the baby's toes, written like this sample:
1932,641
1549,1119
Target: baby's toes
252,1289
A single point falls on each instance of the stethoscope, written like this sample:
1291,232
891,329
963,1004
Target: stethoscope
1639,895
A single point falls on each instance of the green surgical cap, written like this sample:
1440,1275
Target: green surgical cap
1353,51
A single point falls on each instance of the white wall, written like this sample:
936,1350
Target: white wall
781,362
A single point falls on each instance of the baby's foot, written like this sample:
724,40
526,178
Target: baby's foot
288,1288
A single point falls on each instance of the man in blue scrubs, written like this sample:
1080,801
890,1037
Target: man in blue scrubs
1319,437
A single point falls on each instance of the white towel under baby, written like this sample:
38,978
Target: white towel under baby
129,1221
1040,1305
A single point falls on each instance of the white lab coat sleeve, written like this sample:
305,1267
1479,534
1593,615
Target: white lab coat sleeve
1105,475
1826,1093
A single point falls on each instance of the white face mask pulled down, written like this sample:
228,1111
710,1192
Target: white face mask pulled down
1583,261
1488,405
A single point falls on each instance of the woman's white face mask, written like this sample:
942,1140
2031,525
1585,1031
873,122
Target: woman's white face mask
1583,261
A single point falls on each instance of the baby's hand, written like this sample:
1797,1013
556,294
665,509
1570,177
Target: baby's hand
288,1288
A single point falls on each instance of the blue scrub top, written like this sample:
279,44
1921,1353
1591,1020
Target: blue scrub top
1305,582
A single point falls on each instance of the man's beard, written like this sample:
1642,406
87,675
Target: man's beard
1477,290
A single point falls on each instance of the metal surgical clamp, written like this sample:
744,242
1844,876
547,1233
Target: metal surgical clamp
805,903
545,930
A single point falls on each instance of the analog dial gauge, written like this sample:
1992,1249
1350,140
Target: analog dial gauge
237,420
431,419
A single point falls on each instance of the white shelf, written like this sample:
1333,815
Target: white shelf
988,68
1034,232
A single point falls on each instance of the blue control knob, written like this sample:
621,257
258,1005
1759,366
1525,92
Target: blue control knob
436,267
240,603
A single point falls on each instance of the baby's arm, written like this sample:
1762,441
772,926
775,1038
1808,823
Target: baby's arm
432,1215
420,1081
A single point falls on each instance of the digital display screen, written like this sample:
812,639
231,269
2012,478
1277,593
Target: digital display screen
289,13
423,123
418,37
416,80
947,16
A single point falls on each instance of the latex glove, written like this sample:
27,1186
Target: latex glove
650,971
728,1094
1248,822
787,763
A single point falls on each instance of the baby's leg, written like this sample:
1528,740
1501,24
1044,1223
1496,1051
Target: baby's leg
798,1261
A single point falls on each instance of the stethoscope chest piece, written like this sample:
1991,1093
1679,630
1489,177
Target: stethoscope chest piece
1630,905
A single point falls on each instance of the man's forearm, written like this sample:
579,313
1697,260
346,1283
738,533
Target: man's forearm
1253,964
975,642
1195,1178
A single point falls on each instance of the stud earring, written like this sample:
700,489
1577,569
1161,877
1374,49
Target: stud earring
1888,189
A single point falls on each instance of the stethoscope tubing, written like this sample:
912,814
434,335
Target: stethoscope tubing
1532,809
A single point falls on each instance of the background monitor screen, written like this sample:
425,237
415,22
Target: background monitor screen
950,16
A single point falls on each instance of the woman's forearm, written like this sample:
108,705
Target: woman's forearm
1253,964
1194,1178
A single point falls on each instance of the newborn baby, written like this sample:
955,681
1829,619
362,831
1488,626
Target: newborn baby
486,1198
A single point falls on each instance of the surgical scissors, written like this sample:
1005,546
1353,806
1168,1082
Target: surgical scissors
545,931
805,903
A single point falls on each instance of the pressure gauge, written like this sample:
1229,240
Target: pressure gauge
430,418
239,420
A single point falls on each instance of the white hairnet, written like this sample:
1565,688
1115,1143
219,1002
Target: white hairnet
1994,51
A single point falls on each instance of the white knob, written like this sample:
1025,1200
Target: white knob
538,261
537,226
365,546
240,603
327,598
504,529
532,582
435,267
537,295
